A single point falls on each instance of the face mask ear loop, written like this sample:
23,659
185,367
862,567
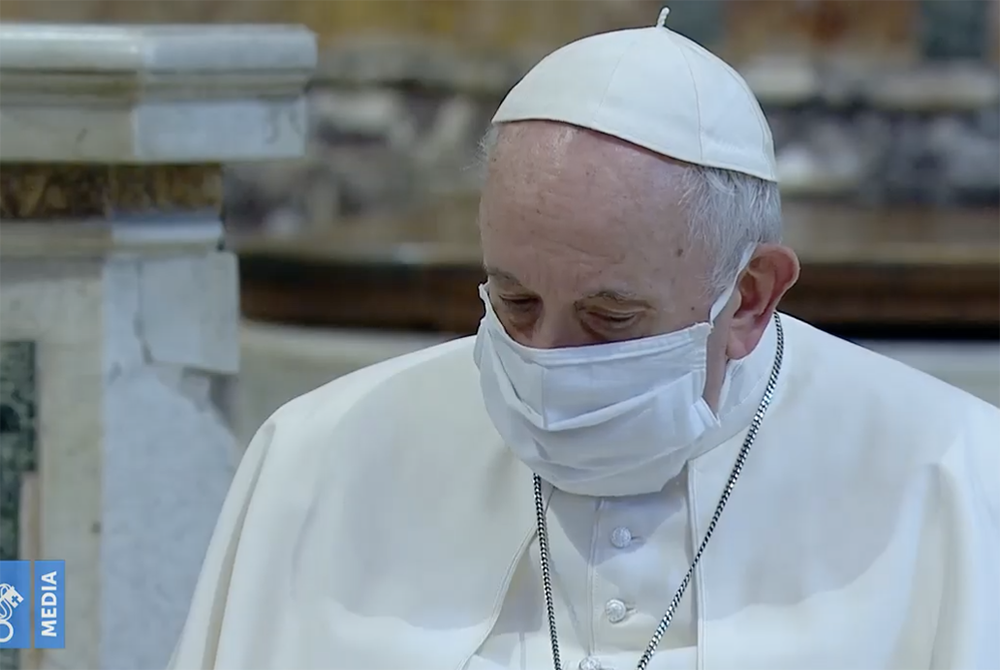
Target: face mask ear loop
717,308
723,300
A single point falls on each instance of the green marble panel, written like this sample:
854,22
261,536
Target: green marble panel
18,414
954,29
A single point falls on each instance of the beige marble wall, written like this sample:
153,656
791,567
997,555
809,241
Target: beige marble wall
476,25
856,29
748,27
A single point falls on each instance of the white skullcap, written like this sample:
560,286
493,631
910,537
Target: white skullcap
654,88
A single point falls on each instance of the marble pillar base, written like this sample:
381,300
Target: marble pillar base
55,308
168,453
133,455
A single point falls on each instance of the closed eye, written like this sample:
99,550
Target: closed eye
617,319
518,303
628,318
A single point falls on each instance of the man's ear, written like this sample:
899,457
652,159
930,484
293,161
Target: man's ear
773,270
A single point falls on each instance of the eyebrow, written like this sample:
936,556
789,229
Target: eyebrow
502,275
613,295
620,297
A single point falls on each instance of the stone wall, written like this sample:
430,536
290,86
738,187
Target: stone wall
738,28
875,102
927,135
871,103
406,132
903,135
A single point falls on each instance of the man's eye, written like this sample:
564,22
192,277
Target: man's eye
618,320
518,304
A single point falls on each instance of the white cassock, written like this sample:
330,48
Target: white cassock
380,523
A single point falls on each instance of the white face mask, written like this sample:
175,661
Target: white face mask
601,420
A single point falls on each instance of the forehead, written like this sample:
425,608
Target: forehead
568,210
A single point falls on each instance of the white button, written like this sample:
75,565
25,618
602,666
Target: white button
621,537
589,663
615,610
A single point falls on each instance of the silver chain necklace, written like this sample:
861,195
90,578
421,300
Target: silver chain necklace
661,629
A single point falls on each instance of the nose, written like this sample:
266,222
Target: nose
552,332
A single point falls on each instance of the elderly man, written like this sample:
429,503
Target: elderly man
637,462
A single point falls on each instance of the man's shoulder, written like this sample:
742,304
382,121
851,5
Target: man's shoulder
843,365
432,391
849,418
855,385
452,359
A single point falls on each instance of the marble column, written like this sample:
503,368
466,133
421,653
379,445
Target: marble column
119,307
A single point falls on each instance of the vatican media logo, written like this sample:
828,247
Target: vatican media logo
10,599
32,586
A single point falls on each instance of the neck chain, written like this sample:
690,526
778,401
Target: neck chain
661,629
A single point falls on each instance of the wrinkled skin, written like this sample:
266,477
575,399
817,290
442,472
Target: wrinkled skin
584,240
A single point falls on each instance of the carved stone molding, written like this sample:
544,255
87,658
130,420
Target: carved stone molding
43,192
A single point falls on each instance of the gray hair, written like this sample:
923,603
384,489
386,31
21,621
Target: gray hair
730,212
